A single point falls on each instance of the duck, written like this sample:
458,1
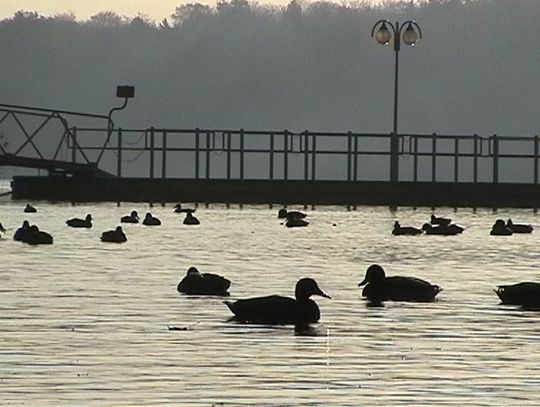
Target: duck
197,283
526,294
80,223
283,213
150,220
115,236
34,236
296,222
279,310
29,209
519,228
379,288
439,220
447,230
22,231
2,228
405,230
499,228
133,217
178,209
190,219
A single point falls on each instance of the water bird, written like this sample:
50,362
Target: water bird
405,230
283,213
525,294
133,217
80,223
178,209
34,236
116,236
519,227
499,228
275,309
29,209
150,220
190,219
439,220
445,230
20,232
2,228
197,283
379,288
296,222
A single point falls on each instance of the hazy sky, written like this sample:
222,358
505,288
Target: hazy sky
83,9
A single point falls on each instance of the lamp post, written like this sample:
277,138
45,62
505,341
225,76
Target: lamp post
383,35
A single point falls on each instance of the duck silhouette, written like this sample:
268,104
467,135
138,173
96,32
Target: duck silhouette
20,232
380,288
190,219
405,230
444,230
178,209
29,209
150,220
133,217
34,236
80,223
196,283
499,228
525,294
283,213
114,236
518,227
439,220
278,310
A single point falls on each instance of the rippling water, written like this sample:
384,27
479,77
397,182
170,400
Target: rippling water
86,323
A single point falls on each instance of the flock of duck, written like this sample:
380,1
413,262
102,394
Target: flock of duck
300,310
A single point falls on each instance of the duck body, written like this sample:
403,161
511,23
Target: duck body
446,230
279,310
405,230
296,222
380,288
22,231
150,220
499,228
178,209
284,213
196,283
526,294
439,220
114,236
133,217
518,227
29,209
190,219
34,236
80,223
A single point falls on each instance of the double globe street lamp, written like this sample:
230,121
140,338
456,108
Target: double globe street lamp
409,32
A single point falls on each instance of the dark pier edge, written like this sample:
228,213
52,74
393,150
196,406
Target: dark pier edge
432,194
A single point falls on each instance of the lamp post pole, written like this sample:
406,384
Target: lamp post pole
383,35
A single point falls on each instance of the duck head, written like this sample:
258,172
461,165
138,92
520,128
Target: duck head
374,273
88,218
306,287
499,223
119,229
396,225
509,223
426,227
192,270
134,214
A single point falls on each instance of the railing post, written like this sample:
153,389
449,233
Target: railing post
355,158
152,133
241,153
456,159
229,155
475,159
536,159
207,163
285,155
271,156
434,157
164,155
349,156
197,151
74,145
495,159
394,156
119,154
313,156
415,159
306,156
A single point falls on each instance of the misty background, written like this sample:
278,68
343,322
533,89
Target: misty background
299,67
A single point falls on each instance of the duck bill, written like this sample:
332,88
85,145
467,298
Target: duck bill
323,294
363,282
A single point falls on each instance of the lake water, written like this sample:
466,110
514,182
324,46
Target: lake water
85,323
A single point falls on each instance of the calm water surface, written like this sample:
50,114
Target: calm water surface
85,323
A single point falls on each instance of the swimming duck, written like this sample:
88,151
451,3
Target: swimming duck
178,209
29,209
499,228
80,223
518,228
34,236
133,217
446,230
150,220
405,230
525,294
296,222
439,220
275,309
20,232
114,236
380,288
190,219
283,213
195,283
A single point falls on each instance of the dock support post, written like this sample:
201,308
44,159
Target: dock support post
197,151
536,159
241,154
349,156
152,134
285,155
456,159
207,163
355,158
229,155
495,159
119,154
434,157
271,156
313,156
415,160
475,159
164,155
306,156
